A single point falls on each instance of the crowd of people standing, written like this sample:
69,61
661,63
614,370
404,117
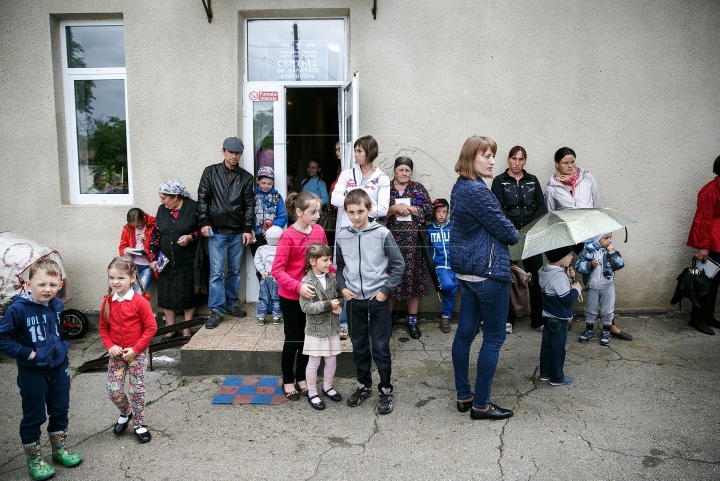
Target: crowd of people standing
390,236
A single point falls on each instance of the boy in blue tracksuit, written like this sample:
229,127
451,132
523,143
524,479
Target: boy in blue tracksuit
597,263
439,232
557,296
30,333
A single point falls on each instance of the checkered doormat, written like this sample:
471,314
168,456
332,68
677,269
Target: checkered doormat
250,390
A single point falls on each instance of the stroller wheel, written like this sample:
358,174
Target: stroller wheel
73,323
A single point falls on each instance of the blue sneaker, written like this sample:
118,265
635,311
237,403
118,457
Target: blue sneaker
605,339
586,335
564,382
544,378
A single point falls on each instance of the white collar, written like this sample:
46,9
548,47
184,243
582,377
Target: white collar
127,297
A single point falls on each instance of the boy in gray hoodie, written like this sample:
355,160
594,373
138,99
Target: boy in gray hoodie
369,268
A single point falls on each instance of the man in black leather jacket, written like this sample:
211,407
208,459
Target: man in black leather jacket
225,213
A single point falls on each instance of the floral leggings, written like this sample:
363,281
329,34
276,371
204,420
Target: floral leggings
117,368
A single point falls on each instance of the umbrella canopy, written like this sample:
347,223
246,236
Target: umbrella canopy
566,227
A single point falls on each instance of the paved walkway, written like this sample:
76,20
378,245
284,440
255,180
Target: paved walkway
646,409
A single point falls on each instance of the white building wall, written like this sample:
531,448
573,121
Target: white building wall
632,87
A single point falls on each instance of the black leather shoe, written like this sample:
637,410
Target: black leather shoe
237,312
701,326
318,405
414,331
333,397
712,322
121,427
495,412
464,406
143,437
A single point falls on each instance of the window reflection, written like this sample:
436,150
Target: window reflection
99,46
101,136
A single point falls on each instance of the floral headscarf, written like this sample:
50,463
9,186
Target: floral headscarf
174,187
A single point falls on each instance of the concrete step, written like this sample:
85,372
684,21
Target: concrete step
241,346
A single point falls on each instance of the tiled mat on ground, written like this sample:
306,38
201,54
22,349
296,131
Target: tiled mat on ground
250,390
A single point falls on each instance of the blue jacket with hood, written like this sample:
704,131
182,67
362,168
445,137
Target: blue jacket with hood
479,232
29,326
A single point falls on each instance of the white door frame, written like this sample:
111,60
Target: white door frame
276,91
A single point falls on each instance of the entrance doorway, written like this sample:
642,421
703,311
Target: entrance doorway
311,130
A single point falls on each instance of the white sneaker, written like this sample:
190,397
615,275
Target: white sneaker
508,328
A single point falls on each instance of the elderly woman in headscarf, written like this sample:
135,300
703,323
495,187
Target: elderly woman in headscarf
172,252
410,207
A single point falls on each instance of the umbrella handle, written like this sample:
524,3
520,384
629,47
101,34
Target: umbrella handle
626,235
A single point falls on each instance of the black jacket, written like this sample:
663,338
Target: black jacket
522,201
167,232
227,206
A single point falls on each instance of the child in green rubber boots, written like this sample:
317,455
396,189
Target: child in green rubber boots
30,333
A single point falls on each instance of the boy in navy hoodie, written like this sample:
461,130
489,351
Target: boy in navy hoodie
30,333
557,296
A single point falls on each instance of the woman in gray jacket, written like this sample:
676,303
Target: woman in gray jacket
574,188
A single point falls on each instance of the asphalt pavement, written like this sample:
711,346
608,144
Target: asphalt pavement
645,409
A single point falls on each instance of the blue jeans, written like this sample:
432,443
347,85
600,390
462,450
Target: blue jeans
487,302
145,278
552,350
449,285
268,297
223,291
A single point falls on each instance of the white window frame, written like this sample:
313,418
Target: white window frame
70,75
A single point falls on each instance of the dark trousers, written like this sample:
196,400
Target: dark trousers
40,390
294,327
707,303
552,350
532,265
370,322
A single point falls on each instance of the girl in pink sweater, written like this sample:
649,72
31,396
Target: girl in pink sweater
287,269
127,324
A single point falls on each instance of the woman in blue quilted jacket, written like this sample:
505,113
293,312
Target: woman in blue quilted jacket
479,237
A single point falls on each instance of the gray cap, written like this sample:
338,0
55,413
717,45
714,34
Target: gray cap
233,144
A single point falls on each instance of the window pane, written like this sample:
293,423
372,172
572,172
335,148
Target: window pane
98,46
101,136
296,50
263,135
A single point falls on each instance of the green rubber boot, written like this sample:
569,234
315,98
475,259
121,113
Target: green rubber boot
60,454
38,468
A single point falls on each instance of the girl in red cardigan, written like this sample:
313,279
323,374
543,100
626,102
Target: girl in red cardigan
134,238
127,325
287,269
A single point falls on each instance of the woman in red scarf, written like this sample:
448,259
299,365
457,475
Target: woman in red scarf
705,237
574,188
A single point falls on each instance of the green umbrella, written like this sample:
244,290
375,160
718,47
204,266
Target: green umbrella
566,227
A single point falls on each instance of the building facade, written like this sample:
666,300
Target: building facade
102,101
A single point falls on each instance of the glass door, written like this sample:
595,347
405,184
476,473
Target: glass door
349,119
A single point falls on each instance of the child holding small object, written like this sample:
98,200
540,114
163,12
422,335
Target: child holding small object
322,328
135,243
597,263
439,232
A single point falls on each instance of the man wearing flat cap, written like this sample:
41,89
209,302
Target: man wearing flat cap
225,213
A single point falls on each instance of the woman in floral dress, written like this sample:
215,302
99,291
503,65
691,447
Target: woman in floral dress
410,207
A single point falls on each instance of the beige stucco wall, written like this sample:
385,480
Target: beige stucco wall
631,86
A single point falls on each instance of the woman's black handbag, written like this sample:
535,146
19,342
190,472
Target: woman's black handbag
693,284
